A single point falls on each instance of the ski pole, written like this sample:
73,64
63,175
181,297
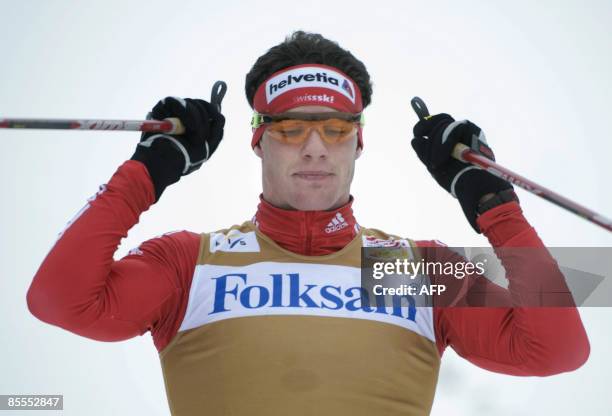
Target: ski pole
466,154
169,125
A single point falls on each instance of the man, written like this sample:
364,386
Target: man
268,317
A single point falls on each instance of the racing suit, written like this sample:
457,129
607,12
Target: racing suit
266,317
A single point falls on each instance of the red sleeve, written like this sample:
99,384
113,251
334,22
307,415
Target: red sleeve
515,339
79,287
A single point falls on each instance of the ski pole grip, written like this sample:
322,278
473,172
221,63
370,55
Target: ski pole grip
420,108
177,126
458,151
216,96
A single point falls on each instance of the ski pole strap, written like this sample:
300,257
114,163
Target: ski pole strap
419,108
498,199
218,92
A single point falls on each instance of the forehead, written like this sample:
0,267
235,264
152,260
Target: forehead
312,109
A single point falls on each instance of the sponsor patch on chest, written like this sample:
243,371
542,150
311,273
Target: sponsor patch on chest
270,288
234,241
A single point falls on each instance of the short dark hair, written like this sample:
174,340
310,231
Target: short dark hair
308,48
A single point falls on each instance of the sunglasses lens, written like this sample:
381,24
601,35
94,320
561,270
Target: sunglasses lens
289,131
335,130
297,131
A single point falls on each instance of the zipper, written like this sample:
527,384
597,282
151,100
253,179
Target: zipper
308,225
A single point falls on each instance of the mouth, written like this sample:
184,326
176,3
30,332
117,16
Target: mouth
312,175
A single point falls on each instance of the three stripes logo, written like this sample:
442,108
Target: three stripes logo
336,224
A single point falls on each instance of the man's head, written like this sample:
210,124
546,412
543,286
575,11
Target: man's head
308,75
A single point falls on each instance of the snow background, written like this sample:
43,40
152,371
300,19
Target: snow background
534,76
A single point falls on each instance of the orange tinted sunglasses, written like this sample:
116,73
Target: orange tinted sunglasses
295,128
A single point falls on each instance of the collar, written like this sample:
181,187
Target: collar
311,233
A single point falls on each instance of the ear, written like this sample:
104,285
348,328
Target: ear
358,152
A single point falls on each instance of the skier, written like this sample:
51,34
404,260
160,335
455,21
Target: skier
267,317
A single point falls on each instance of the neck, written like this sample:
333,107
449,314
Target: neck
313,233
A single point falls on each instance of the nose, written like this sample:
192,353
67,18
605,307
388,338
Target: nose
314,147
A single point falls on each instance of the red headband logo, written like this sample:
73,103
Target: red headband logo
347,87
308,84
307,77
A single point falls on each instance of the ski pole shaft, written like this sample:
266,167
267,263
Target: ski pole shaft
169,125
465,154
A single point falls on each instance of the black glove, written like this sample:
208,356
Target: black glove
434,140
168,157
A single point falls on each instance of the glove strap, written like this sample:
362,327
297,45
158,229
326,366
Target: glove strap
499,198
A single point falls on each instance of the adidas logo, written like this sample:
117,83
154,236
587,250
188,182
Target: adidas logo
336,224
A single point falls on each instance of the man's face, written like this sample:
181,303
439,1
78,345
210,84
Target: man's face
310,176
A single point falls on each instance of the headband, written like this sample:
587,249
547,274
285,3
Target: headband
306,84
